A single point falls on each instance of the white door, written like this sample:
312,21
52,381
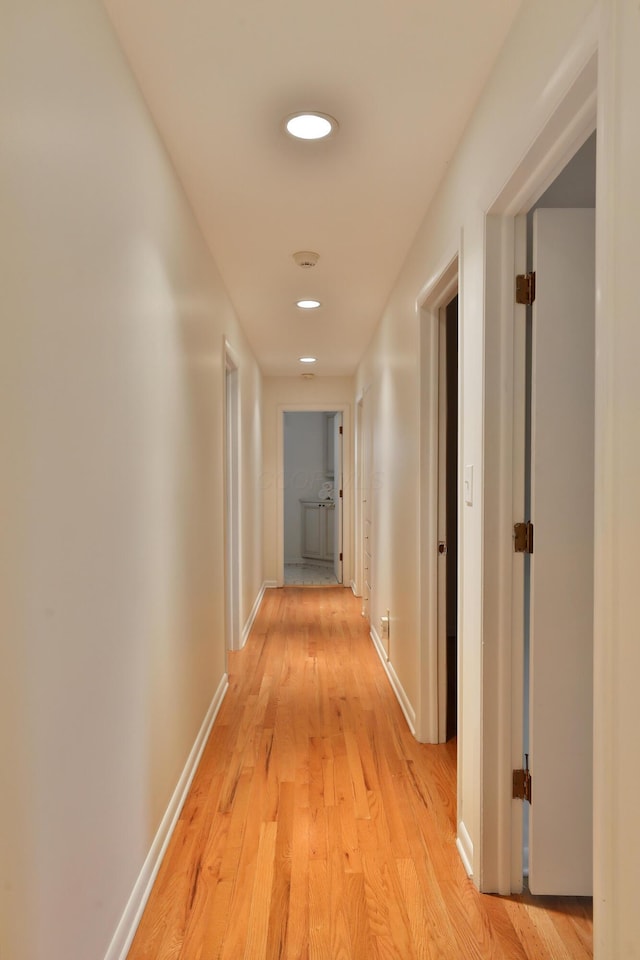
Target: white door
339,489
561,579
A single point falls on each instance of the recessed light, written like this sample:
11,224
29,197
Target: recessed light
308,360
310,126
308,304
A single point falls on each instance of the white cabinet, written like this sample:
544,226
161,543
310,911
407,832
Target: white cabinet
318,520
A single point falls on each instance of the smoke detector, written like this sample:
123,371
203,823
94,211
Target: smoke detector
306,258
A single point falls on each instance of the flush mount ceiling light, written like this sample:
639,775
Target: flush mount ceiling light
307,360
308,304
310,126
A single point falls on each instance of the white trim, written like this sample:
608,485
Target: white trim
125,931
465,848
502,609
558,136
233,513
271,585
232,357
398,689
569,124
442,285
356,582
252,616
435,294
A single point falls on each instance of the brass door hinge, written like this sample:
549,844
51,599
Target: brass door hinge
522,782
525,288
523,537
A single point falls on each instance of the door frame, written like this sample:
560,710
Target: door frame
357,582
430,304
347,461
232,473
338,466
566,129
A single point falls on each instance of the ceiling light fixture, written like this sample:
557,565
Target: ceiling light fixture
308,304
310,126
308,360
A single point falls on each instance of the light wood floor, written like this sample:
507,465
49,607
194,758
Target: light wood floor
317,828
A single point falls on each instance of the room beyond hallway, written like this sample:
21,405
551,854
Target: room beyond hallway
309,574
317,826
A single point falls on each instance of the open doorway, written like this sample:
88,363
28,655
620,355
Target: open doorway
507,603
559,503
312,497
448,521
365,491
440,491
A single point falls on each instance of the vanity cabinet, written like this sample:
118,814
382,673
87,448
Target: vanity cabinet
318,522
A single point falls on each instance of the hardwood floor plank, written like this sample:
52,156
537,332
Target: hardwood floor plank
319,911
338,919
255,947
429,926
317,828
281,892
356,910
361,801
297,942
386,909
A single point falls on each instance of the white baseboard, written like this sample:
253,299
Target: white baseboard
398,689
123,937
252,616
270,585
465,848
354,588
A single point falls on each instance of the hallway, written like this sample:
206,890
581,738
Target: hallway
317,827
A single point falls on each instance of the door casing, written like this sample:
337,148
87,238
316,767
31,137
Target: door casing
232,493
572,122
347,461
431,303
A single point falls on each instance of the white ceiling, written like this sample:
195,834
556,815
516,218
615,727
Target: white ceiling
400,76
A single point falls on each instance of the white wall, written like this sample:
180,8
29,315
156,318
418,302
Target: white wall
497,137
112,554
296,393
543,55
111,376
617,598
304,472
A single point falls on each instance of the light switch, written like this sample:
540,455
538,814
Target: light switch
468,484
